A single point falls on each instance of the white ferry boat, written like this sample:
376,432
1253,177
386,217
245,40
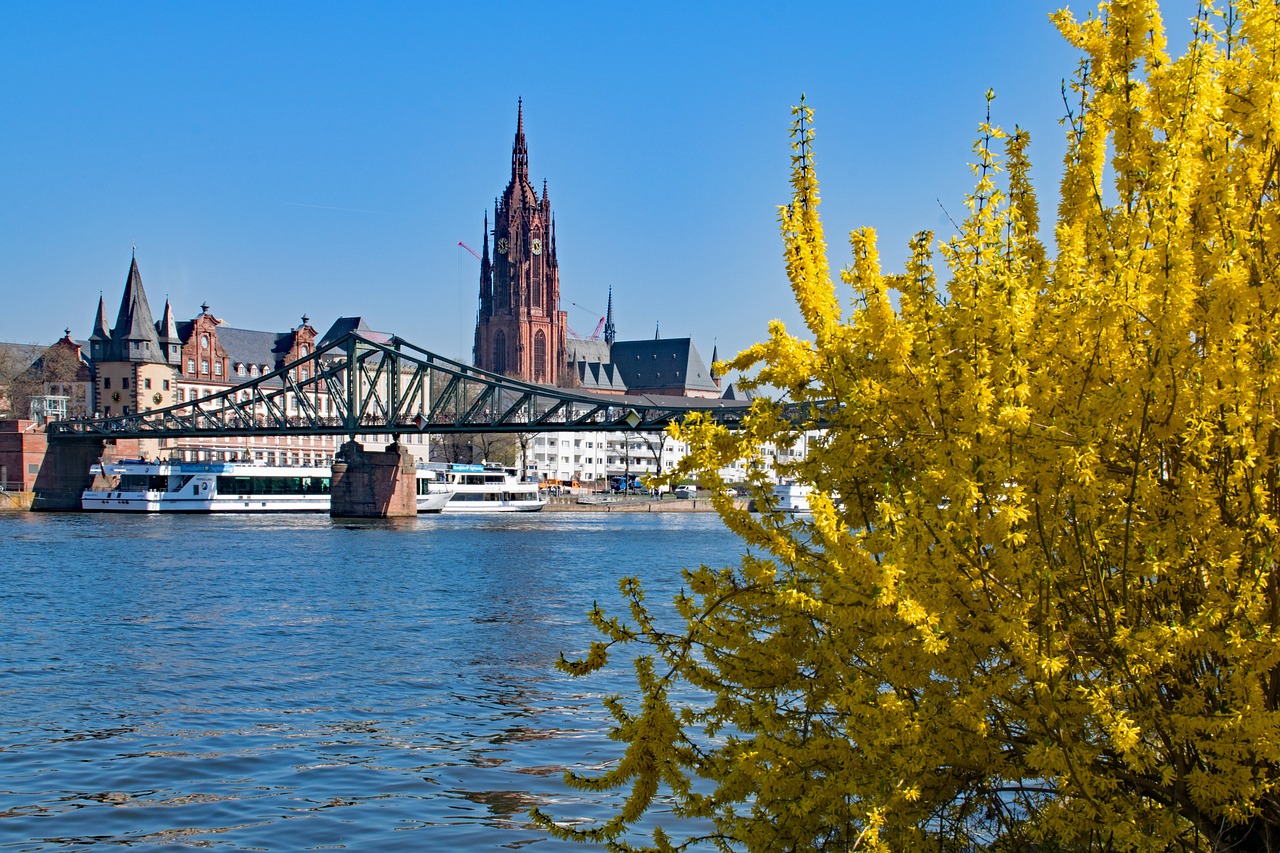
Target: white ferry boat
172,486
792,498
481,488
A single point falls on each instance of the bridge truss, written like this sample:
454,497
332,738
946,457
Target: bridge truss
366,383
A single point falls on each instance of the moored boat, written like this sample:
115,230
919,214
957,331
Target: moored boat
139,485
792,498
481,488
169,486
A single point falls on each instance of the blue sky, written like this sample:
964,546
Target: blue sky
282,158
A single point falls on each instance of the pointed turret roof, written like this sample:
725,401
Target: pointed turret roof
100,332
134,336
168,327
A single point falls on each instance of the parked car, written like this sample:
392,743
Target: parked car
686,492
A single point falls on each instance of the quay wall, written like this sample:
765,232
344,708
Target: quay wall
16,501
571,504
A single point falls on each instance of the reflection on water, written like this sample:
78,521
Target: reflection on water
289,682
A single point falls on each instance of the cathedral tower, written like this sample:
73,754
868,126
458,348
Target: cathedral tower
520,329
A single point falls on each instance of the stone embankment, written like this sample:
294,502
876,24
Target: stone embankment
602,503
16,501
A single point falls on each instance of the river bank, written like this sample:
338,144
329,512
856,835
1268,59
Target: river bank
16,501
570,503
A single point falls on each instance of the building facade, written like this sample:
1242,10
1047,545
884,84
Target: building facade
139,365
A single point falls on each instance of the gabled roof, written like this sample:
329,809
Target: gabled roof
662,364
245,346
594,376
340,327
583,349
73,349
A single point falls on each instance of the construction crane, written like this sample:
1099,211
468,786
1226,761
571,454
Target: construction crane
471,250
595,336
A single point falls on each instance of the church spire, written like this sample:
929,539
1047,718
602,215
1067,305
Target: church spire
609,332
520,151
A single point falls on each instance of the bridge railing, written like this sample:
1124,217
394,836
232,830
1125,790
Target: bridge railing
372,384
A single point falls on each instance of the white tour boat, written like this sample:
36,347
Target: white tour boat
792,498
481,488
174,486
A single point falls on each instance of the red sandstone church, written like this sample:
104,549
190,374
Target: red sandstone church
522,332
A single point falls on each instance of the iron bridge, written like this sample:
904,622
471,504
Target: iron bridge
365,383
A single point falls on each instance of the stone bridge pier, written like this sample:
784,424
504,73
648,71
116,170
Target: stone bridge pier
373,484
72,465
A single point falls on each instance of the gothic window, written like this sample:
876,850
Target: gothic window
537,295
500,352
540,357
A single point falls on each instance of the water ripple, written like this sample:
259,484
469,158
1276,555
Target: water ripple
290,682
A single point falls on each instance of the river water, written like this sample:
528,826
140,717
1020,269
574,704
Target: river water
291,682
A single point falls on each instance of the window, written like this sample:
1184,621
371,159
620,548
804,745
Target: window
191,365
146,383
540,357
204,365
217,368
253,371
106,382
182,396
165,385
500,352
204,342
124,383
